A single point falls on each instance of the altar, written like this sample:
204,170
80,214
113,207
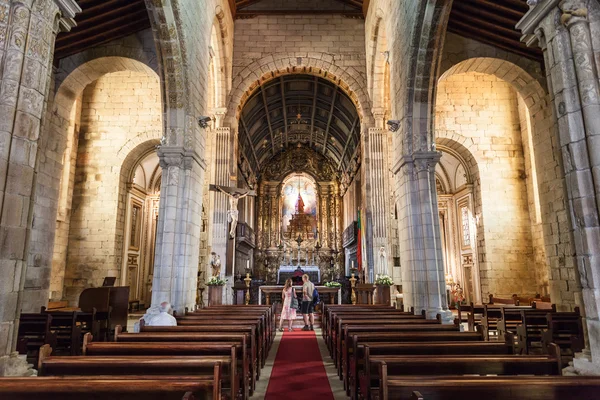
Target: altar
331,291
288,271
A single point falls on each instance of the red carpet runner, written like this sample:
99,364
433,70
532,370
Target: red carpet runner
298,371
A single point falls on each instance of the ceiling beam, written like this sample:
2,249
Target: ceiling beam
314,110
245,3
264,97
284,107
329,120
250,141
350,137
253,13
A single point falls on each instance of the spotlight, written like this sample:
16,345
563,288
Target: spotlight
393,125
203,122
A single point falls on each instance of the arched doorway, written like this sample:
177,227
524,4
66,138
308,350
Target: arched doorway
141,218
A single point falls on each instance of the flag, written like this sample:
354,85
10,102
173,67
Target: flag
359,245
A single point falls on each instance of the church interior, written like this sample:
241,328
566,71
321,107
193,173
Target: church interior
431,166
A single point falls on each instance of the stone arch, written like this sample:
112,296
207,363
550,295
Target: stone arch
130,154
537,135
139,47
222,80
526,85
75,75
165,18
458,49
378,66
260,71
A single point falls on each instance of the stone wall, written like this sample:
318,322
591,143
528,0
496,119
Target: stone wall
300,36
117,108
483,110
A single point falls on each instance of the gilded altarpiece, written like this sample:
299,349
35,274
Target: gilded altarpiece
298,198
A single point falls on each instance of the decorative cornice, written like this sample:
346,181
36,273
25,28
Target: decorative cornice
68,8
179,156
531,21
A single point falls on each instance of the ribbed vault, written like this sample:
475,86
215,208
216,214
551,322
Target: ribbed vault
299,109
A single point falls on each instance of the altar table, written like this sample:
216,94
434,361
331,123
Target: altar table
268,290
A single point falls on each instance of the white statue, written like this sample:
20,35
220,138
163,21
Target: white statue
233,212
382,257
215,264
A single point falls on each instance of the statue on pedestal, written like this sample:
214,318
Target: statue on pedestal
215,264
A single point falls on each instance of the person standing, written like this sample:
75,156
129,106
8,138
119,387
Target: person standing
307,308
289,311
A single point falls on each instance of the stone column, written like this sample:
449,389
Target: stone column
422,263
28,31
377,190
561,29
178,231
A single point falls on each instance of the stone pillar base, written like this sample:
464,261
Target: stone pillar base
582,365
16,364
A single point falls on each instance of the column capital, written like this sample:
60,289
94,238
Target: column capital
538,11
419,160
68,10
177,156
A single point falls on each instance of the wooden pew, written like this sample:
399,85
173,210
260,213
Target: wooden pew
328,309
513,301
240,376
57,305
489,387
254,346
565,329
263,336
512,317
68,332
353,332
492,314
387,367
338,335
34,332
135,366
333,329
183,337
113,388
367,349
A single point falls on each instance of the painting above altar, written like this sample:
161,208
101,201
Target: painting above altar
299,208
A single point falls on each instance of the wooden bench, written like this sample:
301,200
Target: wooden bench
57,305
350,331
254,346
565,329
34,332
68,332
513,301
338,335
367,349
183,337
386,367
114,388
232,349
484,387
492,314
202,366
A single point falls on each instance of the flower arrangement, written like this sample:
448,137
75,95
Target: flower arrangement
215,281
333,284
384,280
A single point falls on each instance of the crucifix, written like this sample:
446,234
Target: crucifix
234,195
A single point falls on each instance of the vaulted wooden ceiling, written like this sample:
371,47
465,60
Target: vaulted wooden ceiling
488,21
301,110
492,22
102,21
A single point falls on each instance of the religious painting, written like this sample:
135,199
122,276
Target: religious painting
299,208
135,225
